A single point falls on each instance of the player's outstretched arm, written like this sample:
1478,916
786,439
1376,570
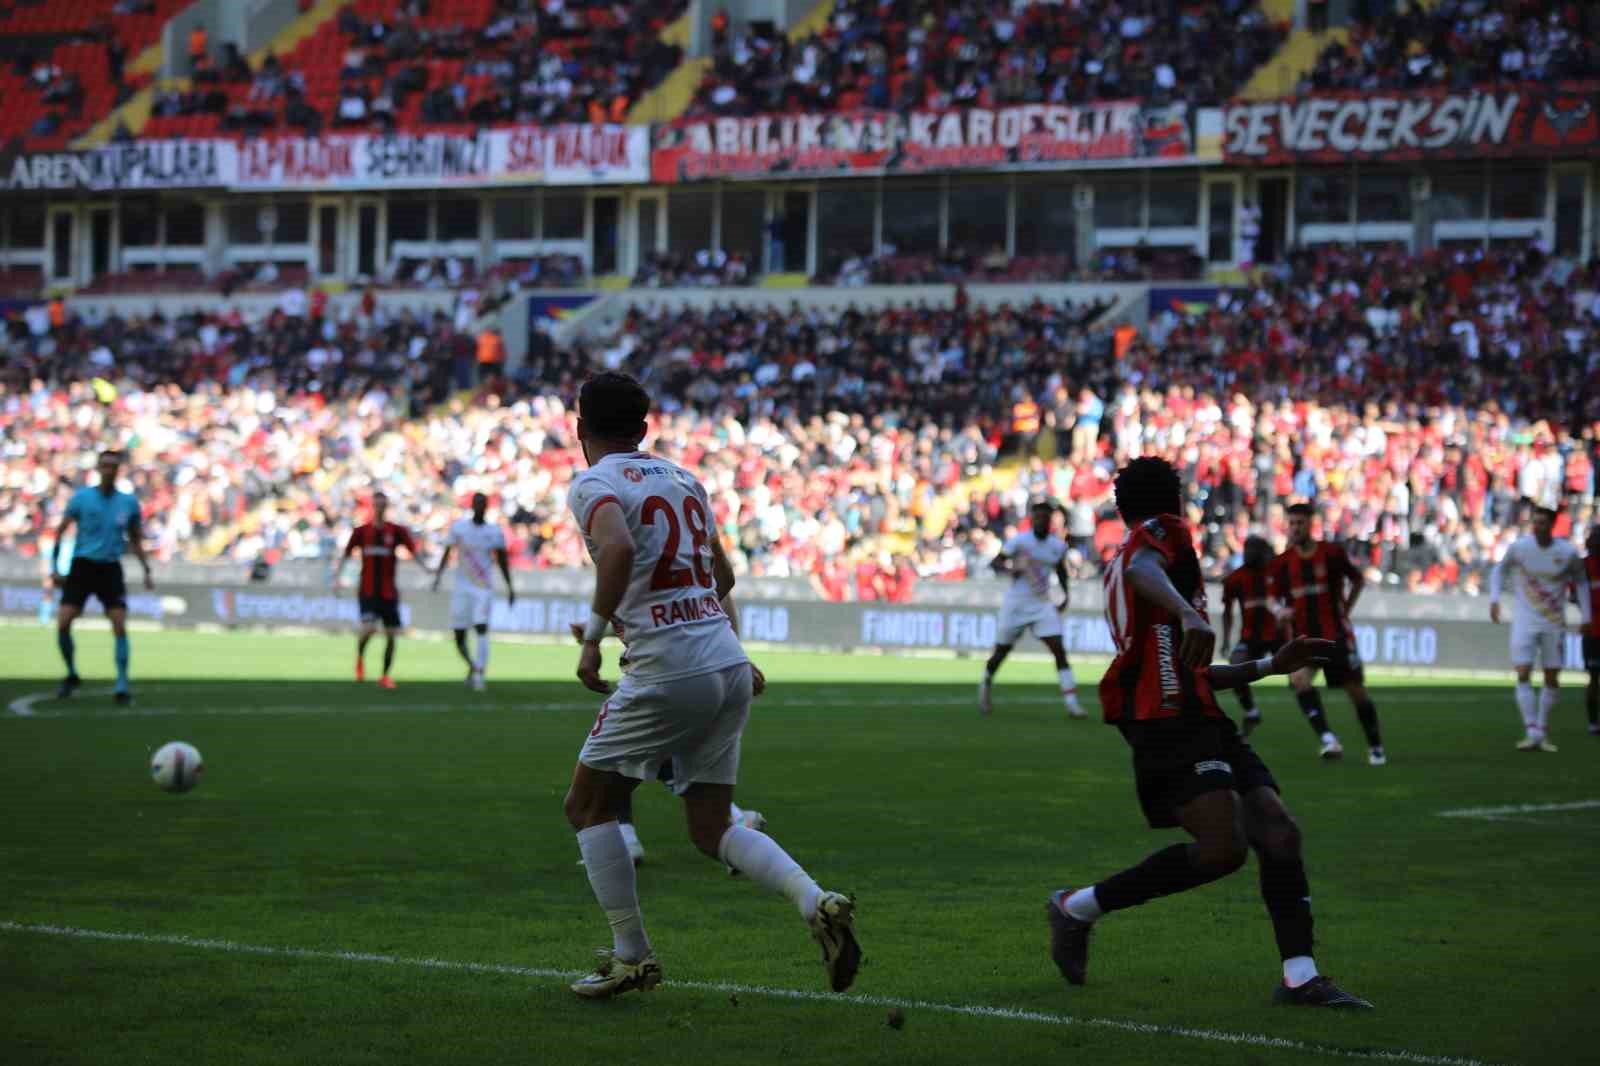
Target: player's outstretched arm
444,563
67,522
1227,621
613,563
502,557
1066,584
338,571
1148,576
1497,577
1299,652
721,570
1001,564
136,546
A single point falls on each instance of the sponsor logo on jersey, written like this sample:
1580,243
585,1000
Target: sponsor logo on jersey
1212,766
632,473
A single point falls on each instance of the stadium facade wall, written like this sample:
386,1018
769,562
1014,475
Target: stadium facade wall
1409,643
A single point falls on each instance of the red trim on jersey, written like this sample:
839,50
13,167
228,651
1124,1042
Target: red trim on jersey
1249,587
588,523
1315,586
1147,680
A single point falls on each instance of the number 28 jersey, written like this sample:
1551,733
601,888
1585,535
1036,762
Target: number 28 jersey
670,618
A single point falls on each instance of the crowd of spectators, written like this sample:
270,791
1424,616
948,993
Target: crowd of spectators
958,266
708,268
1458,44
389,64
1423,401
902,54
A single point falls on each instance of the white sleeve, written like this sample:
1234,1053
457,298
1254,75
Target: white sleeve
1497,575
589,490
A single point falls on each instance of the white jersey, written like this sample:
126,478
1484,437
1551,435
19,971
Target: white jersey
475,546
1033,567
1541,577
670,617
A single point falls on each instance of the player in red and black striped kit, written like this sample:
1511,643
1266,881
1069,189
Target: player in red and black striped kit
1591,632
1191,767
378,596
1247,590
1318,585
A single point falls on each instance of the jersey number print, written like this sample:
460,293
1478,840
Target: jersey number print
668,575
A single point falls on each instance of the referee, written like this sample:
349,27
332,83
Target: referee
108,525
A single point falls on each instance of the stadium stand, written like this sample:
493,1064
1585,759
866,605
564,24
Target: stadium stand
449,64
907,53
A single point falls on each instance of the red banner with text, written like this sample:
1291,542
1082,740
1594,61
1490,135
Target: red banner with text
875,142
1506,120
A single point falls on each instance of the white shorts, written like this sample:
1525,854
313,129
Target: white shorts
696,722
1548,645
469,606
1018,618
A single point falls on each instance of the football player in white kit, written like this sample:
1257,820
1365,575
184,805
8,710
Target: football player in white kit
1544,569
1031,558
660,579
482,546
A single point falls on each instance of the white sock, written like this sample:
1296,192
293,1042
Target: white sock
735,813
1547,699
1525,705
1083,905
1069,685
1298,970
759,858
988,677
483,652
1329,738
610,870
630,836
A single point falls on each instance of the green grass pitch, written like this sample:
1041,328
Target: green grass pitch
386,877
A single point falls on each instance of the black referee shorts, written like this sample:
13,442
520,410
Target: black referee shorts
91,577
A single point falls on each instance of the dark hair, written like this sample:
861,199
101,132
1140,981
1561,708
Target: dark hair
1148,487
1541,509
1042,504
613,407
1300,509
114,454
1256,551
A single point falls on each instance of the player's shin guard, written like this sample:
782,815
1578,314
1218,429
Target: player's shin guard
483,653
610,869
1525,707
120,655
69,650
1287,894
759,858
1165,873
1311,706
1368,713
1547,702
388,655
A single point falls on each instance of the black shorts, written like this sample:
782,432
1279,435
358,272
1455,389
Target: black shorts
1249,650
1591,654
380,609
1344,664
1177,759
90,577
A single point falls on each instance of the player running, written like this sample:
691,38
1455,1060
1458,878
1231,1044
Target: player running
1247,590
1191,767
1030,558
378,597
108,524
1545,570
1318,586
1591,628
660,577
482,547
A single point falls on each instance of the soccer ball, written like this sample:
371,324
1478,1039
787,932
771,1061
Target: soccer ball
177,766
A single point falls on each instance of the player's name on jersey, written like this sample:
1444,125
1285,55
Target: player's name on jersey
688,609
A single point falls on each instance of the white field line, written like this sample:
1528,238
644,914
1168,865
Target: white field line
1501,813
1214,1036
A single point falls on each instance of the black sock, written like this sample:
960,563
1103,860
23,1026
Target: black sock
1164,873
1368,713
1287,894
388,655
1311,706
1247,699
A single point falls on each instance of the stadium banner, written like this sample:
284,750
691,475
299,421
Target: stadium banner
555,155
1027,136
1407,643
1504,120
132,165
